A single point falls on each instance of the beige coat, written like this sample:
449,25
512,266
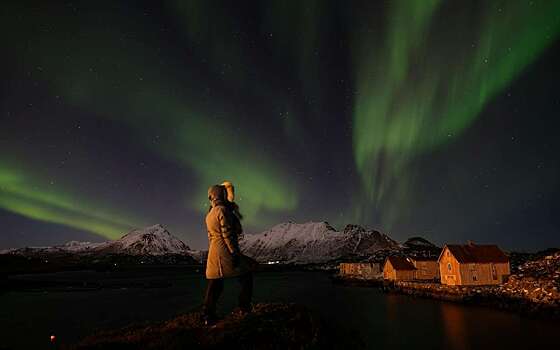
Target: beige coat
223,230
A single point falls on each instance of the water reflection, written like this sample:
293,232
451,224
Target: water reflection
392,307
455,327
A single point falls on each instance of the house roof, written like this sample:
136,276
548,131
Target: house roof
474,253
400,263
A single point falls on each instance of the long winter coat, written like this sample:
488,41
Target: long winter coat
223,231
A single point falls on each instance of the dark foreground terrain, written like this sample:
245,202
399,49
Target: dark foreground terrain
269,326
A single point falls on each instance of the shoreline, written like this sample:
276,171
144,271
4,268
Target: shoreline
502,297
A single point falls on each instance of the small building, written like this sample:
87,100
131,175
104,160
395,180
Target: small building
473,265
397,268
360,270
427,268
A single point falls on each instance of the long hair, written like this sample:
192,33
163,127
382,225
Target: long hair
230,199
235,209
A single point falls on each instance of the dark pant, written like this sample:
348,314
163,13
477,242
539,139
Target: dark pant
215,287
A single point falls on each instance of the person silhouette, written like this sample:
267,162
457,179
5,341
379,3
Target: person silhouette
224,256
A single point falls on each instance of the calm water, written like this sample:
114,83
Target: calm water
383,321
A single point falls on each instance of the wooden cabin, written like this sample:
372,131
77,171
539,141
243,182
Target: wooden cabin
397,268
473,265
426,268
360,270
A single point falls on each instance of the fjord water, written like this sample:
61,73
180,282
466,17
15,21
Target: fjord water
28,318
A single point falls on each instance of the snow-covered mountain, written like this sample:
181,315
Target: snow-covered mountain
76,246
314,242
68,247
153,240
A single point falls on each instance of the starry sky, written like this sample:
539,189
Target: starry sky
430,117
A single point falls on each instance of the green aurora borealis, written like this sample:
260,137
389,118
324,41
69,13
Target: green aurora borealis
31,198
423,88
315,110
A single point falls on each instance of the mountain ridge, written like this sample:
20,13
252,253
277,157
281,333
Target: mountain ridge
288,243
152,240
314,242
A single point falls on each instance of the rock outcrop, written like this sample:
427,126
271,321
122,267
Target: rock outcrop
269,326
536,280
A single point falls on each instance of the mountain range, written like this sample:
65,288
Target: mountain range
314,242
152,240
287,243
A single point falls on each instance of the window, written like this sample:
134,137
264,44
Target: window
474,278
448,253
449,266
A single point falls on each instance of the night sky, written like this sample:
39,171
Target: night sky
431,118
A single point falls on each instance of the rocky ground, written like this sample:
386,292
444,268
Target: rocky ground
537,281
269,326
516,259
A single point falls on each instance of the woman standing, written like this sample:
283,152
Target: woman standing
224,257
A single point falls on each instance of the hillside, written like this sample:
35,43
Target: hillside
314,242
